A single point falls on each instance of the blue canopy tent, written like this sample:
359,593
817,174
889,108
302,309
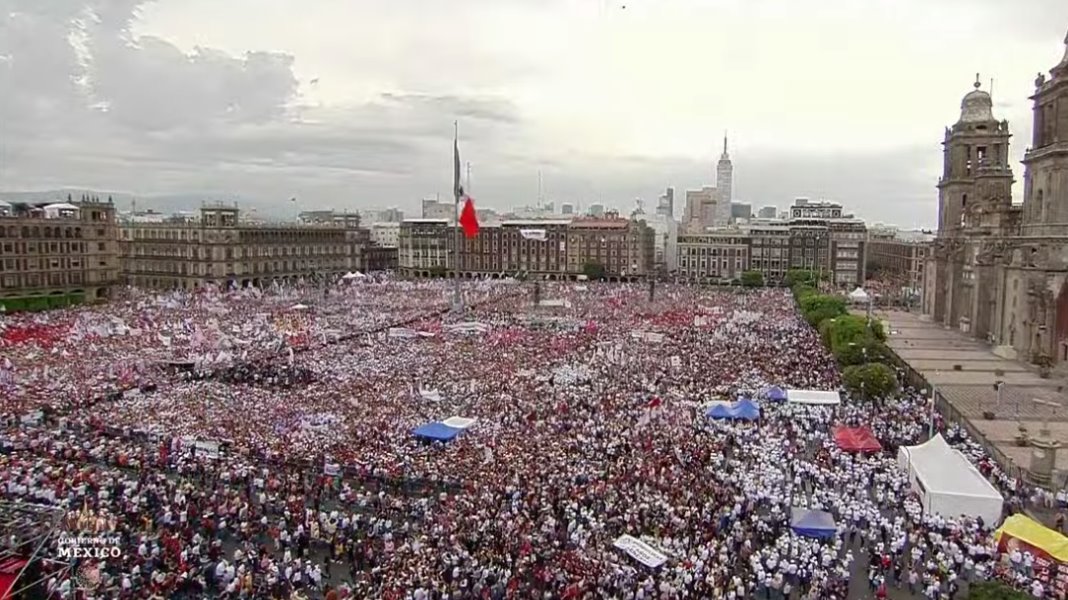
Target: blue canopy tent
719,411
436,432
776,394
812,523
745,409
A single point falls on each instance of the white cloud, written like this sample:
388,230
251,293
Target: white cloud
611,102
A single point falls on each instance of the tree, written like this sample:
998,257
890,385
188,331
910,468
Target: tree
993,590
865,350
818,308
593,270
753,279
844,329
872,380
795,277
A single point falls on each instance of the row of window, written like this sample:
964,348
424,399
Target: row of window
33,248
47,232
24,281
201,269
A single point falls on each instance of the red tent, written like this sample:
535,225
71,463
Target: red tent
856,439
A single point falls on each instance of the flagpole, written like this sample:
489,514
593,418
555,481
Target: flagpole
456,223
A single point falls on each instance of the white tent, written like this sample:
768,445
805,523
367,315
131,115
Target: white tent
813,397
947,483
858,295
459,422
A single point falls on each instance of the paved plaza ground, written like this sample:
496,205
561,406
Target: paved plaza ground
964,372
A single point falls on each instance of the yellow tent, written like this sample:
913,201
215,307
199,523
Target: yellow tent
1025,529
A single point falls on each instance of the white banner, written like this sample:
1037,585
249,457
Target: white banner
640,551
648,336
208,449
468,327
431,395
533,234
331,469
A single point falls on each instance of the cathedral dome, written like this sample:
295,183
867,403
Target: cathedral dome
977,106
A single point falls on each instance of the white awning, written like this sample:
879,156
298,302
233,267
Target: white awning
813,397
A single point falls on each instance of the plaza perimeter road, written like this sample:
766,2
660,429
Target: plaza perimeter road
963,370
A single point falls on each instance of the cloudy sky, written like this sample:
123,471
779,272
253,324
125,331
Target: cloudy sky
350,103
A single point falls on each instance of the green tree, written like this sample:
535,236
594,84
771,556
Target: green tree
844,329
593,270
753,279
993,590
872,380
865,350
818,308
795,277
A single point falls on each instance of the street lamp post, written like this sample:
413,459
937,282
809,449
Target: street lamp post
931,417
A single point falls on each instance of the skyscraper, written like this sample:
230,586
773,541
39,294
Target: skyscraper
724,187
666,205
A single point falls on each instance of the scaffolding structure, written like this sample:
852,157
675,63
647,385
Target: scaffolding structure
26,532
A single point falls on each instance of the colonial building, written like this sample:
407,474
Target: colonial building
835,247
714,256
551,248
379,258
897,259
998,271
770,250
624,247
57,254
386,235
218,248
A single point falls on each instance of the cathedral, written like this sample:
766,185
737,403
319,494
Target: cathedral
998,271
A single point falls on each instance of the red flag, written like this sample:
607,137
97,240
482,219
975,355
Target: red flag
655,402
468,218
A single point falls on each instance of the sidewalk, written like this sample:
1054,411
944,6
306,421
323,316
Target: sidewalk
963,371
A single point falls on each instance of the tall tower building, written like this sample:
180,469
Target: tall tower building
666,204
724,187
974,203
1045,207
975,160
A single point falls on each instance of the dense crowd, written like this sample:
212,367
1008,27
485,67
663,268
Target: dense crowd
250,444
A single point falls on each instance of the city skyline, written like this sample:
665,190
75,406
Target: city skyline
308,113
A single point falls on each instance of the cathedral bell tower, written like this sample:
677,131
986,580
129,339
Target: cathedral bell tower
976,184
1045,208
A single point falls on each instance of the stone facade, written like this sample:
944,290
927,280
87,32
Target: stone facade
998,270
898,261
549,249
65,252
219,249
835,247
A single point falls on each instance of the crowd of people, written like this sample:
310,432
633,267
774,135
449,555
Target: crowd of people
259,444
